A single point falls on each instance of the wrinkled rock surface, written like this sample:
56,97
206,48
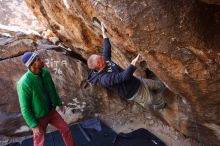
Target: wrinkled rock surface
212,1
15,14
179,40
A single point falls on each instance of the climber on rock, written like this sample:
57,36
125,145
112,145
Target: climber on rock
146,92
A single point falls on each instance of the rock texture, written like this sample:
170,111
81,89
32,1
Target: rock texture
179,40
212,1
15,14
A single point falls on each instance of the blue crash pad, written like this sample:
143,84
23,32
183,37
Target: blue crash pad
94,132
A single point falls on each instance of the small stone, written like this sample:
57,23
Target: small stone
147,115
151,122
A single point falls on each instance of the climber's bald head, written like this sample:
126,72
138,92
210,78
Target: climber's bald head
96,62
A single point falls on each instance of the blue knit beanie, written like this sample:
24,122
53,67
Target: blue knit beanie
28,58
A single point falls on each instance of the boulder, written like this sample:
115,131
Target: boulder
179,40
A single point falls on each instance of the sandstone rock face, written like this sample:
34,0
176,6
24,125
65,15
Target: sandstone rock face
179,40
212,1
17,15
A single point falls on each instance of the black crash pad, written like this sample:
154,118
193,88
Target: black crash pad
139,137
93,132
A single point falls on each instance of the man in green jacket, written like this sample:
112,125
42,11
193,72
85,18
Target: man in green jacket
38,99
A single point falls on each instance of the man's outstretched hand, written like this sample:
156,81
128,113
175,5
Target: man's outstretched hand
137,60
102,27
103,30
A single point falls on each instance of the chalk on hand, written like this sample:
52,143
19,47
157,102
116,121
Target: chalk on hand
96,22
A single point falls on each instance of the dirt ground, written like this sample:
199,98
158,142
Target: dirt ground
131,119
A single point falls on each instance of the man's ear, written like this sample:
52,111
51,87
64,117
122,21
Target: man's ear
32,64
99,64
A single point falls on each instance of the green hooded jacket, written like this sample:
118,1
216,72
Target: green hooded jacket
36,95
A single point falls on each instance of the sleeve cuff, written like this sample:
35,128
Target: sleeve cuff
132,67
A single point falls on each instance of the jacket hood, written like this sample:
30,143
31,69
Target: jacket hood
93,77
